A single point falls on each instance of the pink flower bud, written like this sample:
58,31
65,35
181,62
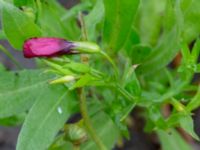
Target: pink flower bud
46,47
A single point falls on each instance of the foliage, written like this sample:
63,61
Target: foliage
138,39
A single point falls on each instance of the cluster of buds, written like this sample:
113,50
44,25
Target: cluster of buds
48,47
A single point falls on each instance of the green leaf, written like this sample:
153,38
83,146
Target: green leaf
103,125
87,80
2,35
77,67
149,20
84,80
94,17
19,90
156,117
47,116
195,102
132,40
2,68
13,121
76,9
166,50
63,146
173,119
172,140
168,44
105,129
52,22
132,84
49,22
190,58
20,3
17,26
196,68
118,22
185,51
195,51
27,6
191,24
138,53
186,123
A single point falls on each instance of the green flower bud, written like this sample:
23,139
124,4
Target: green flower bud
75,134
64,79
177,105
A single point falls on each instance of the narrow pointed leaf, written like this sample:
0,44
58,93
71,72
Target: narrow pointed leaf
119,17
17,25
187,124
94,18
45,119
173,140
19,90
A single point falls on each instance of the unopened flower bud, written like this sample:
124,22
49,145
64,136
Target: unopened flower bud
65,79
178,105
50,47
75,134
46,47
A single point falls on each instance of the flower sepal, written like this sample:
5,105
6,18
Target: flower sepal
86,47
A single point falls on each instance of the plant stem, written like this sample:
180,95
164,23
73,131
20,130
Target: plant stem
83,28
87,122
126,94
83,104
76,147
111,61
85,38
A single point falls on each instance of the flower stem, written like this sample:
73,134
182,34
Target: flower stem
76,147
87,122
83,104
111,61
83,27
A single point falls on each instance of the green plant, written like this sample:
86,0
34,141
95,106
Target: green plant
135,41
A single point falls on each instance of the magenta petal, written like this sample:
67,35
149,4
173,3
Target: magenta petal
46,47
